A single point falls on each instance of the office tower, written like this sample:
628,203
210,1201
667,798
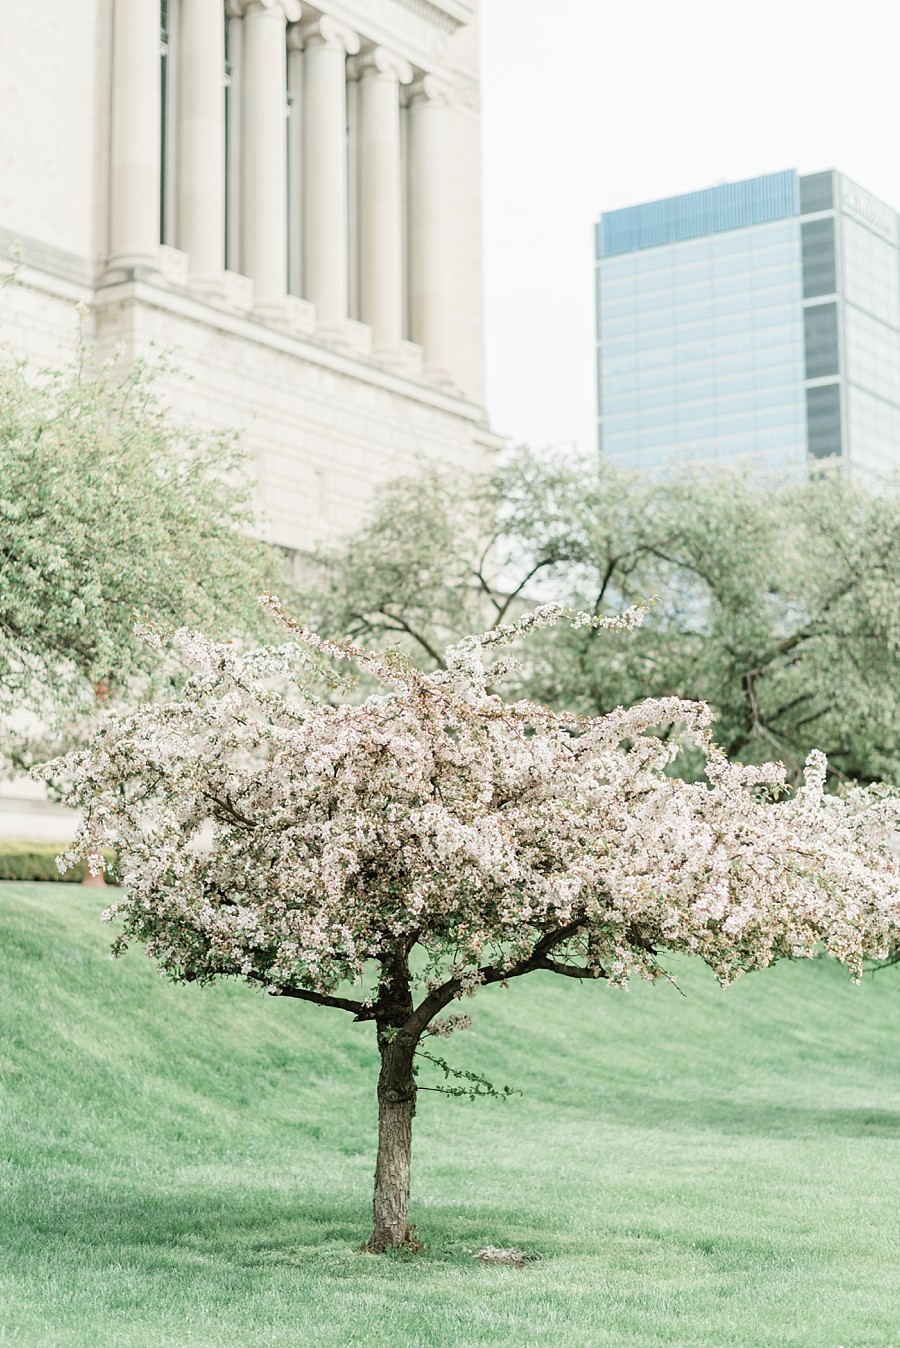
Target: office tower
758,318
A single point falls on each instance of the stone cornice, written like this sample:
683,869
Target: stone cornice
441,16
446,14
417,31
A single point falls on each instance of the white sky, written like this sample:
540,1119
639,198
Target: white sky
589,105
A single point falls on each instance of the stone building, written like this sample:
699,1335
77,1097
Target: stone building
286,196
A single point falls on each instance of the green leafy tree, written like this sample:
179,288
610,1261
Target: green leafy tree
109,508
776,603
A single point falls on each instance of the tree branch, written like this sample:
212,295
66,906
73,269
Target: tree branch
440,997
426,645
790,706
611,565
538,566
812,629
479,572
571,970
229,811
321,999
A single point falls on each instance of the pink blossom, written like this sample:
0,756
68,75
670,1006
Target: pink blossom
496,837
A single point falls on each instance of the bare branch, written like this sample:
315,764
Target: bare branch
491,973
404,626
357,1009
604,584
538,566
571,970
479,571
229,812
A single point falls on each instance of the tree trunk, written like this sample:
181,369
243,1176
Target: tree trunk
396,1107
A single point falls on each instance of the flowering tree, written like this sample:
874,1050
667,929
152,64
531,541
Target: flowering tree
492,839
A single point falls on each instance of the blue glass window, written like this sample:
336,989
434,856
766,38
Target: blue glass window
699,214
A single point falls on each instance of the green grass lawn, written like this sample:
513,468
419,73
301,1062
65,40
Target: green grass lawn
193,1167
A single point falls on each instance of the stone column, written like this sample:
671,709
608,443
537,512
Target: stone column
135,138
264,145
381,196
324,158
201,140
429,282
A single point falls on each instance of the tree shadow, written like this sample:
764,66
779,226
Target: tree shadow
248,1228
750,1118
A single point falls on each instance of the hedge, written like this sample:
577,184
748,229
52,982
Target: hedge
37,861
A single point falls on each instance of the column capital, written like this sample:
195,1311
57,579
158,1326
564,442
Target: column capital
379,61
324,32
426,88
289,10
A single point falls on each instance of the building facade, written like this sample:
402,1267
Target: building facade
285,196
759,318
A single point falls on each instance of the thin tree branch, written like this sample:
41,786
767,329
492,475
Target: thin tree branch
607,577
538,566
571,970
808,720
790,706
229,811
491,973
357,1009
416,636
479,571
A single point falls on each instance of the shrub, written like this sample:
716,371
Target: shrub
37,861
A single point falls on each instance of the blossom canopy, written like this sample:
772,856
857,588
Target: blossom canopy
498,837
299,842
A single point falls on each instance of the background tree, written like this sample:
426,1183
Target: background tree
775,601
434,839
107,506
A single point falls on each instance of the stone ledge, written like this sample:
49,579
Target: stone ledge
44,257
400,378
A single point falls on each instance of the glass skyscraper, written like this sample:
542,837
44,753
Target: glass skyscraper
757,318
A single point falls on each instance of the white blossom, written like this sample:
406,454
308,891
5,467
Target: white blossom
497,837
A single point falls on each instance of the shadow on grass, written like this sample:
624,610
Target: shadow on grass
244,1229
732,1117
237,1225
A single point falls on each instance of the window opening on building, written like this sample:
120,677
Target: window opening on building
816,192
165,83
823,420
819,274
169,15
821,340
228,77
293,105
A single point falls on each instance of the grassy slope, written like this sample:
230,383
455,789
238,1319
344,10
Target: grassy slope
192,1167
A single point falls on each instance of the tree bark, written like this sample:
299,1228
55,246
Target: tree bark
396,1108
